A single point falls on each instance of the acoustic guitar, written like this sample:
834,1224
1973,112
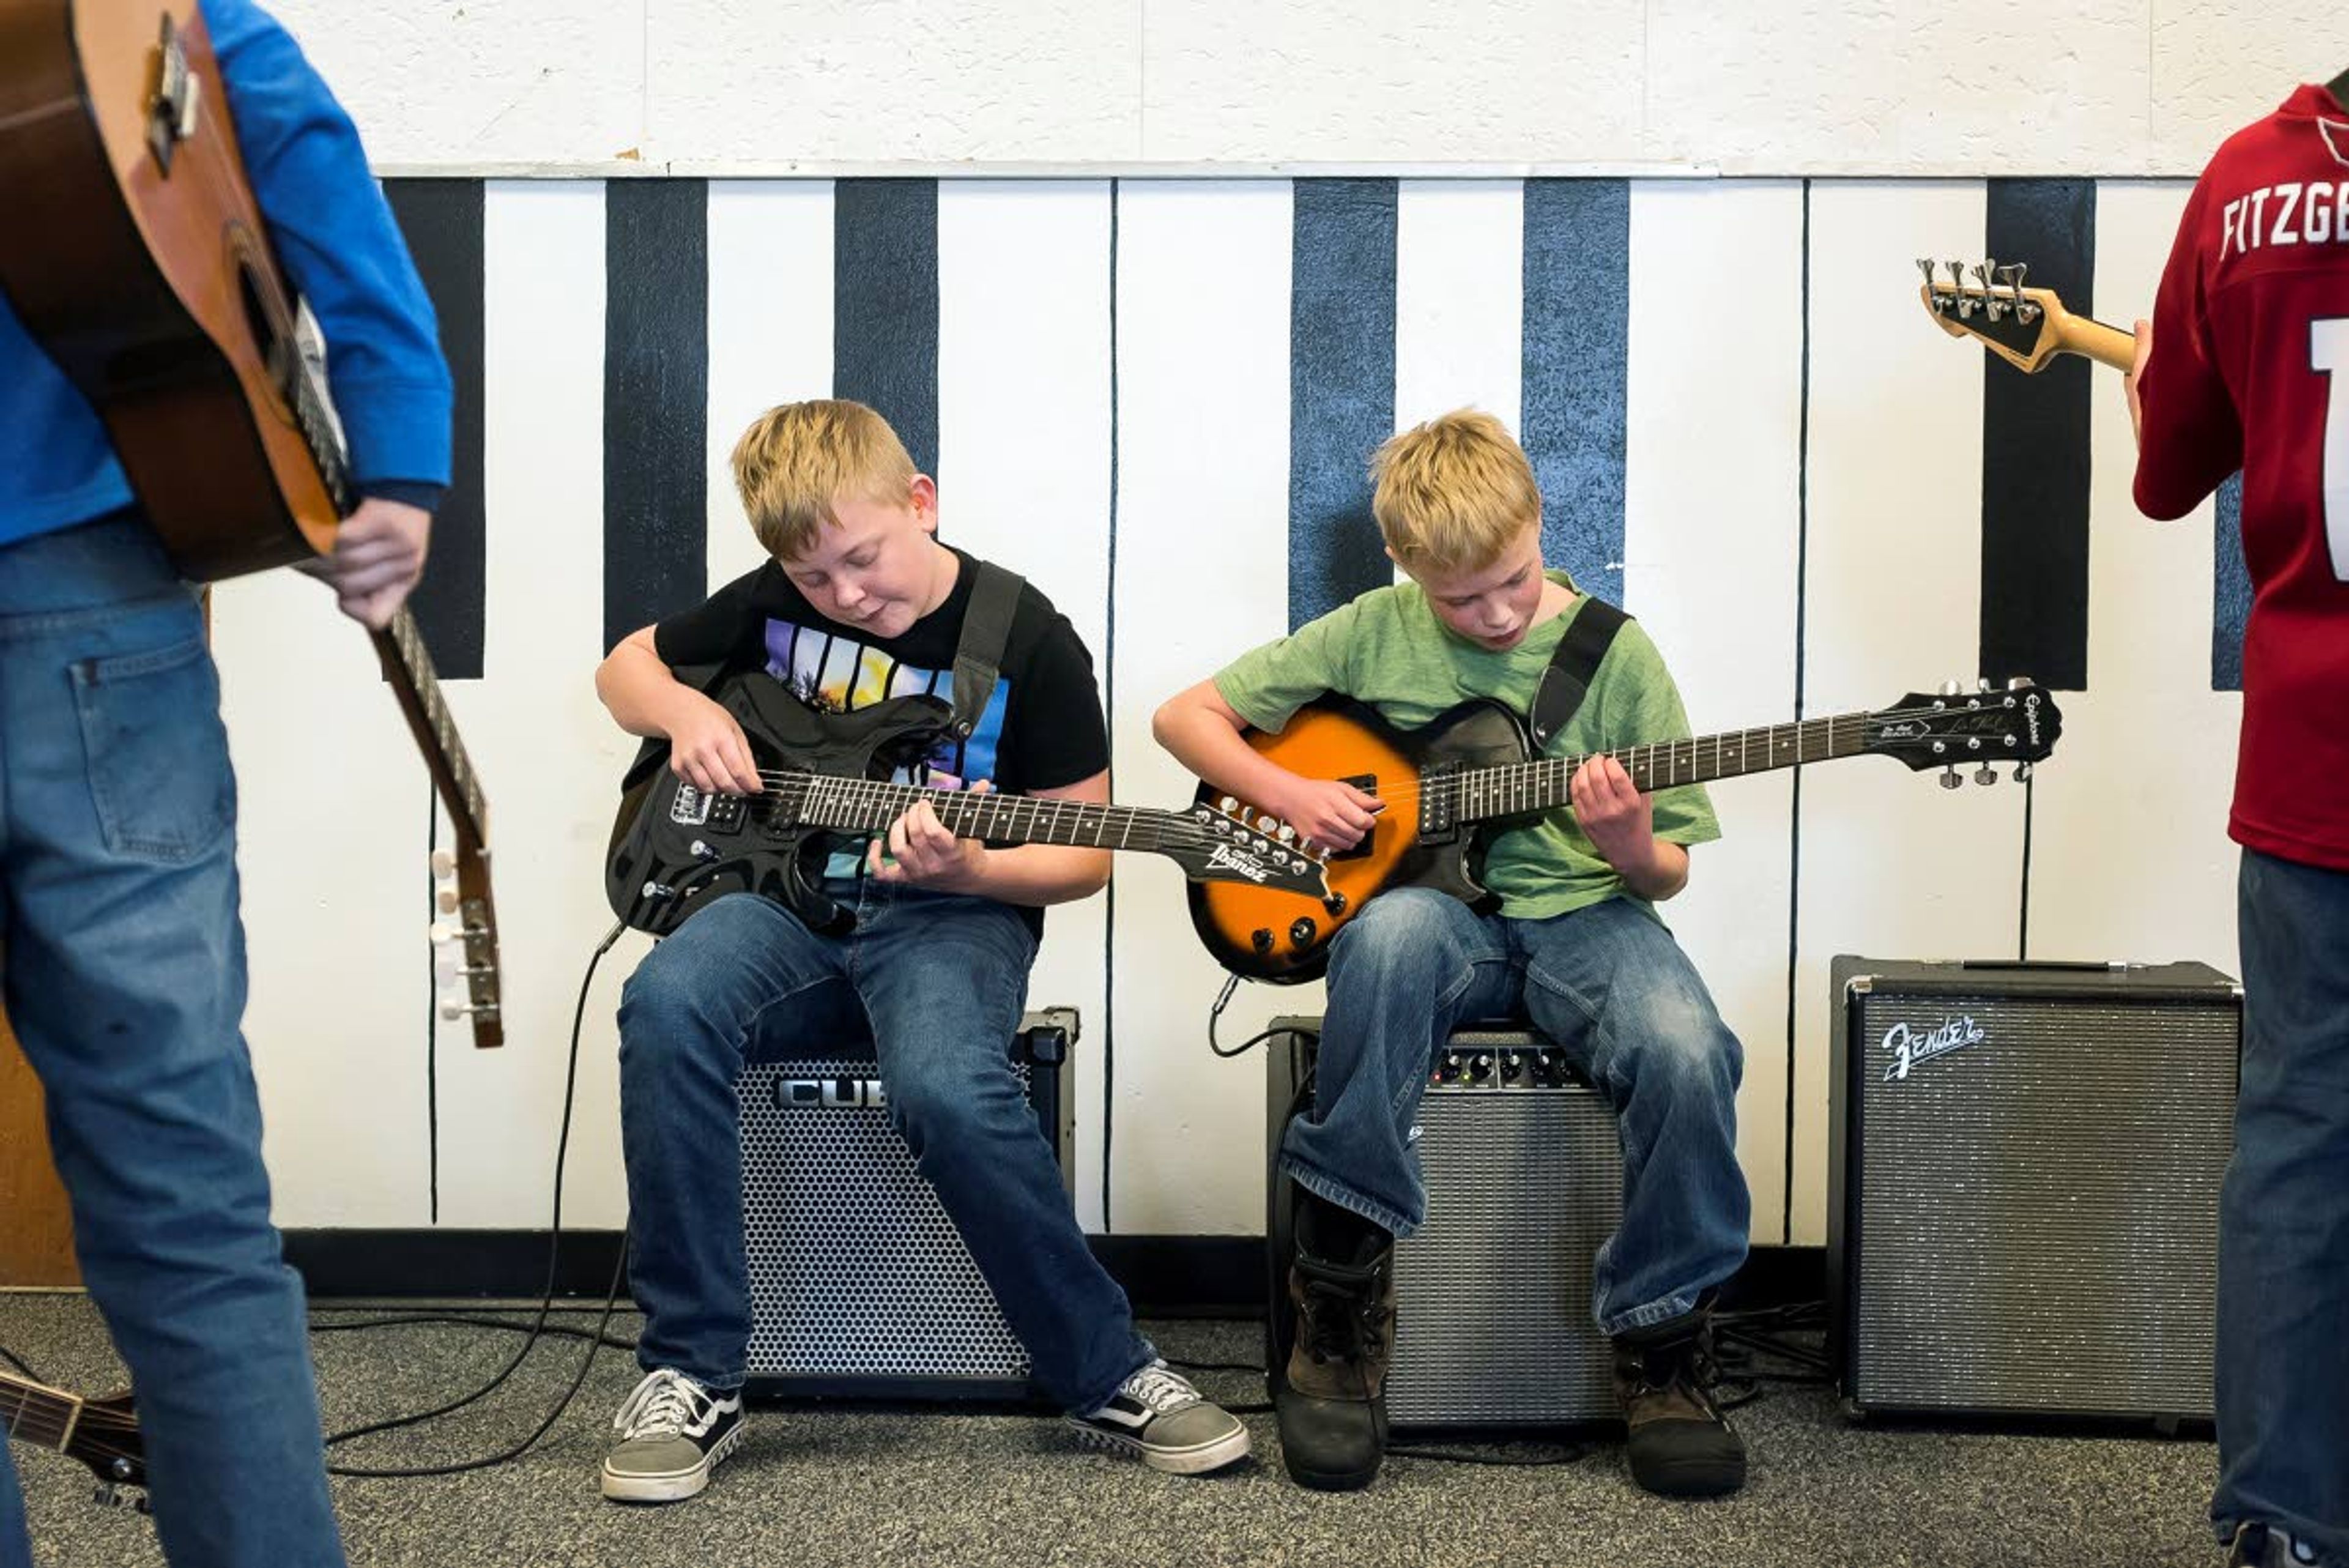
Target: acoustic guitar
2027,327
134,253
101,1433
828,780
1472,769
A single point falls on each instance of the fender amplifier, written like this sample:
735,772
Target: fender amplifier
2023,1208
860,1284
1524,1168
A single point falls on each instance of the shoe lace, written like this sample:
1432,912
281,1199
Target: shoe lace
1161,1389
662,1406
1342,1321
1687,1364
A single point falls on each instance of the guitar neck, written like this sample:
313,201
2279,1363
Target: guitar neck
34,1414
868,805
408,666
1544,785
2093,340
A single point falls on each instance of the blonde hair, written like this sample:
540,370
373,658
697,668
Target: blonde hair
1452,494
797,458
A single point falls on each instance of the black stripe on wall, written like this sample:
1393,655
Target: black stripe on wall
884,301
1341,371
1577,371
655,400
442,221
2034,541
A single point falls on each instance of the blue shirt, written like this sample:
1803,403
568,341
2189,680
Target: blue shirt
337,244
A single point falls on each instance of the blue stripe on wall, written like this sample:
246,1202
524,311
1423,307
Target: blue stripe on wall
655,400
2035,492
1342,370
1577,320
2231,590
442,223
885,305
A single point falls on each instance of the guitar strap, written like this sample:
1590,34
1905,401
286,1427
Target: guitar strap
978,657
1567,680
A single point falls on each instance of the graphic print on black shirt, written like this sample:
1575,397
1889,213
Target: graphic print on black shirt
1042,728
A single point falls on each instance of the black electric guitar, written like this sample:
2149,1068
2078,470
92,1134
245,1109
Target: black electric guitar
2027,327
826,782
1473,765
101,1433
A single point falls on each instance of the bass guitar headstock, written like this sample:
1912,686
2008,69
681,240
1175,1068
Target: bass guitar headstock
2027,327
1952,728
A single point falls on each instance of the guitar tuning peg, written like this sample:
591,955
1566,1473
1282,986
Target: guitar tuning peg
443,864
2025,310
1958,286
447,900
1949,779
1228,806
1984,273
452,1010
1982,775
2022,773
1951,686
1933,288
1981,683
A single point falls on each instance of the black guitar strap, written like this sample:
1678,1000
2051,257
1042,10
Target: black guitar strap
978,657
1567,682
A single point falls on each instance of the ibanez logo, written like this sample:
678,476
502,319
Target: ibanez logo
1911,1048
1224,857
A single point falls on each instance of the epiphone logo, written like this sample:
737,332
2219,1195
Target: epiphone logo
1910,1048
1907,730
829,1094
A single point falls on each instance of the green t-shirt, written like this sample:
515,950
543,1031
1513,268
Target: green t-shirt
1388,649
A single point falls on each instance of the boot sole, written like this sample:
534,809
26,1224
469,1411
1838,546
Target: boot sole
675,1486
1347,1480
1698,1481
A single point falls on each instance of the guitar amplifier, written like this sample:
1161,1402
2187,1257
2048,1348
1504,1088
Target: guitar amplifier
1524,1168
2024,1165
860,1284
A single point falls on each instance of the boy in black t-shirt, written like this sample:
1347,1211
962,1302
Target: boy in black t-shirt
862,603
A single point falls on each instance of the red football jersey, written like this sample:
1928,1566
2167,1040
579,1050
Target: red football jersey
2249,370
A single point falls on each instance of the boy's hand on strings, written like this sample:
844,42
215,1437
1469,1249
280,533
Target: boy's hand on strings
1620,821
921,851
1328,812
707,747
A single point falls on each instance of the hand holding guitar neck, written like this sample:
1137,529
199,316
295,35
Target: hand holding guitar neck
2027,327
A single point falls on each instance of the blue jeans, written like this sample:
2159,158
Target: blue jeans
2283,1217
126,985
942,983
1613,989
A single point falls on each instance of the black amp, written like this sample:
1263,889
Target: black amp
2022,1206
859,1285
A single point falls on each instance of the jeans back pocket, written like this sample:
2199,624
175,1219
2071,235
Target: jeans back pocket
158,766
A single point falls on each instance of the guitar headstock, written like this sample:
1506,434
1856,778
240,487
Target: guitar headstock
2015,323
104,1434
1951,729
2027,327
1230,845
467,933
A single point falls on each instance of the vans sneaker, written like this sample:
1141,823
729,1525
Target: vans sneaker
1159,1419
673,1433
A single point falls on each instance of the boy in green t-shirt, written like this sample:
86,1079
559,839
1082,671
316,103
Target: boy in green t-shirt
1577,945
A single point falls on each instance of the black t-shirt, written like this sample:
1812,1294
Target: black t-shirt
1042,728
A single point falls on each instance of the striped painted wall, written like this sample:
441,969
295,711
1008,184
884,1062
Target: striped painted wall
1156,397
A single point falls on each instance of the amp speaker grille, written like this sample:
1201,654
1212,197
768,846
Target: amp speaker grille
2034,1206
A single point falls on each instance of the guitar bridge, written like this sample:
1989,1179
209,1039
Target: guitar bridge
174,96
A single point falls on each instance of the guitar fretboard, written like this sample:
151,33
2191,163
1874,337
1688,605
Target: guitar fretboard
865,805
1544,785
409,664
35,1414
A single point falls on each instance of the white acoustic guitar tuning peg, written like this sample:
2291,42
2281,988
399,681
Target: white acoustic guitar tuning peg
447,900
443,863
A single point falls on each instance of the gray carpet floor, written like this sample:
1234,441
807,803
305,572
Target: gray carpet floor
864,1486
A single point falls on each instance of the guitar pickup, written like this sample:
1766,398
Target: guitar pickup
692,807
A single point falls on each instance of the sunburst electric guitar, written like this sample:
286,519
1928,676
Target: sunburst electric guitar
2027,327
133,251
1472,769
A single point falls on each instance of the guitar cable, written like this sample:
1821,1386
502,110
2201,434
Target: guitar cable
597,1338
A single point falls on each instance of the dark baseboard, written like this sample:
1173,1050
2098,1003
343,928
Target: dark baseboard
1166,1276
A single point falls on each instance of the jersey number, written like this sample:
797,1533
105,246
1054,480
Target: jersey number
2328,352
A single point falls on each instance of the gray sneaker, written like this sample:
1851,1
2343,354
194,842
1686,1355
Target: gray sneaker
1159,1419
673,1433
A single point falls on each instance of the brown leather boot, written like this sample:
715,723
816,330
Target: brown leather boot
1681,1445
1331,1404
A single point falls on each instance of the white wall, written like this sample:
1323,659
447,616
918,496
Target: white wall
1780,87
1717,402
